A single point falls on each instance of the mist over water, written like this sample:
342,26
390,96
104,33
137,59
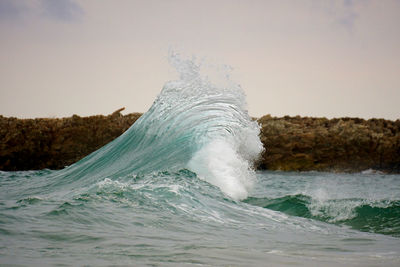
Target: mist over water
178,188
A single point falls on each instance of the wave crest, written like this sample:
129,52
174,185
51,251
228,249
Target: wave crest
197,122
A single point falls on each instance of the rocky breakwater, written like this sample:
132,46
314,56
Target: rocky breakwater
32,144
344,144
291,143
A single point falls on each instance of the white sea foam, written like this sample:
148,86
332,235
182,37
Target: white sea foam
219,164
227,162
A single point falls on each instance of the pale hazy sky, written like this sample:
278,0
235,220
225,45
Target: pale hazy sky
310,58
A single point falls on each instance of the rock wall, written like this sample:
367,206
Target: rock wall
291,143
344,144
31,144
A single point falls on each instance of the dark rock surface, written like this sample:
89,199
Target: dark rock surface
292,143
343,145
31,144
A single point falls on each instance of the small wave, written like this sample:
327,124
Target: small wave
371,171
30,200
369,216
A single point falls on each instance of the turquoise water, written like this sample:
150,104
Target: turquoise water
165,218
178,189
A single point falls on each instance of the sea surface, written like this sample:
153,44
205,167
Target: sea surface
178,189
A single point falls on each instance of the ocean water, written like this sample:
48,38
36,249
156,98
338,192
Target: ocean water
178,189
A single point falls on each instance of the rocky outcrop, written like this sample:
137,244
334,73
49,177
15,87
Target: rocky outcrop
291,143
344,144
31,144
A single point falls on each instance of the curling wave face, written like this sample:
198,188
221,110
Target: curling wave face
194,123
